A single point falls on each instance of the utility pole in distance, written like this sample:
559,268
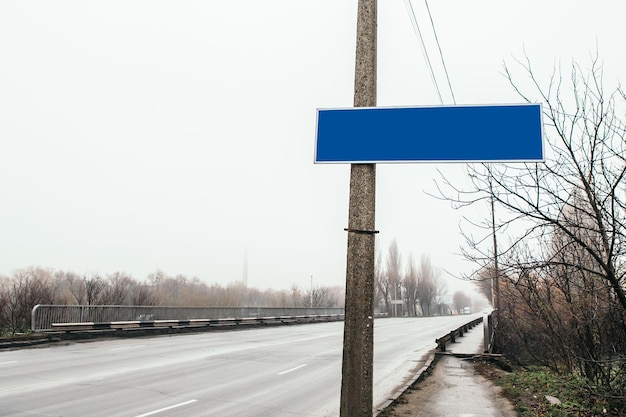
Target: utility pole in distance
358,336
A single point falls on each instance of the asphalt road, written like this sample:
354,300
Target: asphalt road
273,371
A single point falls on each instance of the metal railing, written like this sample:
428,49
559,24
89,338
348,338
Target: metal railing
451,337
43,316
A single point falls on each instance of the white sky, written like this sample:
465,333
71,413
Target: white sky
145,135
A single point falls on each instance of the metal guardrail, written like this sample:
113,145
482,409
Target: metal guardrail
451,337
45,317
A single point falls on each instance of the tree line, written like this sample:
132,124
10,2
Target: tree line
27,287
556,269
416,289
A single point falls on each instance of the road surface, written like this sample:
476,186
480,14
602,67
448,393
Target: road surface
272,371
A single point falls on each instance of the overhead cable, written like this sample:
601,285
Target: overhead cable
445,68
418,33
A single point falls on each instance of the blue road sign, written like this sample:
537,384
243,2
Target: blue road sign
490,133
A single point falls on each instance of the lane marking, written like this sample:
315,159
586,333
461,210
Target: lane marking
160,410
128,347
291,370
326,352
6,363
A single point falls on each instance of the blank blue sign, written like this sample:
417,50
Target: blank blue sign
492,133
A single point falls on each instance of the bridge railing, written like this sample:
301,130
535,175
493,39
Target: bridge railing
43,316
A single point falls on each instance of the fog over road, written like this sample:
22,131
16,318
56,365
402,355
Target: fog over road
273,371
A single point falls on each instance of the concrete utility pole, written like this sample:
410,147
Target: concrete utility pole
358,337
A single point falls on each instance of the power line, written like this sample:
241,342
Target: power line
418,33
445,68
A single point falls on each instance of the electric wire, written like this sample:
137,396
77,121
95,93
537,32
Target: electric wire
418,33
443,62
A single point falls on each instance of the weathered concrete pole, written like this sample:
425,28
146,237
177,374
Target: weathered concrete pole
358,337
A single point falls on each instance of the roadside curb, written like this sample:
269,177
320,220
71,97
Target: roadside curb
419,375
18,343
41,340
458,348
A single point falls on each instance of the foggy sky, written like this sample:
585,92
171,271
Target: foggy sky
145,135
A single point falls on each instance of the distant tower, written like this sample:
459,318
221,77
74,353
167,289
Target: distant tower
245,268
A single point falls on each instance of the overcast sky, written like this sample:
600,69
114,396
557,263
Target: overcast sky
177,135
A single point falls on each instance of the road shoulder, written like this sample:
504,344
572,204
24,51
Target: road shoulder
453,387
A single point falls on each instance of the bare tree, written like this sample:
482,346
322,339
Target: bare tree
142,295
429,285
94,289
76,287
562,273
394,276
410,287
295,294
26,288
378,272
585,157
484,282
319,296
119,288
4,303
383,286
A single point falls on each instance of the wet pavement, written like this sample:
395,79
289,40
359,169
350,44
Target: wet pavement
455,388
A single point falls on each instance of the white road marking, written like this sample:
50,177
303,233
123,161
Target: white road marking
128,347
292,369
6,363
382,340
160,410
327,352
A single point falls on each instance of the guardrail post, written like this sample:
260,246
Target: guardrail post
441,343
452,337
486,332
